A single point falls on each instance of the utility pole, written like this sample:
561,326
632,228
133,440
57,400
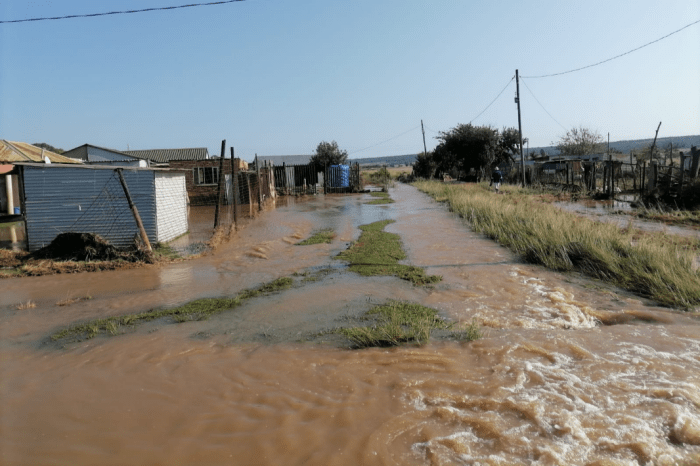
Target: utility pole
425,149
520,126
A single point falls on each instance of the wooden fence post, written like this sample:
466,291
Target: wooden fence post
218,184
134,211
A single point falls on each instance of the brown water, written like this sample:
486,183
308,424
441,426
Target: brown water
570,372
619,213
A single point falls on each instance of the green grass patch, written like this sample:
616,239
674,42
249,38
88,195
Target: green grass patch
164,251
378,252
398,322
562,241
321,236
382,198
200,309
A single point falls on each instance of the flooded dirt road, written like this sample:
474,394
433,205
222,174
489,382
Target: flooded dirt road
569,371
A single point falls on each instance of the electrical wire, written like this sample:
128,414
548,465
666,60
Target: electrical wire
92,15
387,140
616,56
499,94
533,95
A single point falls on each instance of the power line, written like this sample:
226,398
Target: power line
616,56
92,15
533,95
387,140
499,94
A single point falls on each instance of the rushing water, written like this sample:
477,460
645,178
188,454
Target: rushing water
569,372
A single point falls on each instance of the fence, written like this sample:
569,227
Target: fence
307,179
614,176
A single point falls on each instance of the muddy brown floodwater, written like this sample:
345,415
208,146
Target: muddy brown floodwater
569,372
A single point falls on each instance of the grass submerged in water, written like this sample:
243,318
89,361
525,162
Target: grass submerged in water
319,237
378,252
562,241
399,322
382,198
200,309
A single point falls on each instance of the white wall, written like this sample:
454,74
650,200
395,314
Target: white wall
171,205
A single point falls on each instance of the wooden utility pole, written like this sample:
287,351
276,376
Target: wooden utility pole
218,184
611,171
234,190
135,211
653,145
425,148
520,126
257,169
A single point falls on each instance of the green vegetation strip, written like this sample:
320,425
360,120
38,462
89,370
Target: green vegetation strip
321,236
377,252
399,322
200,309
543,234
382,198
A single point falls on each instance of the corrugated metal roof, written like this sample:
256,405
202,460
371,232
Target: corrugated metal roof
11,151
278,160
92,153
166,155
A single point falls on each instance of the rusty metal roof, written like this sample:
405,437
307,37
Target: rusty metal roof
11,151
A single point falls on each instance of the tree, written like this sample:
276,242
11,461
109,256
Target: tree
48,147
466,147
580,141
328,153
425,165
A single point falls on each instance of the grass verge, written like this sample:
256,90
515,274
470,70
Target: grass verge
542,234
200,309
398,322
378,252
321,236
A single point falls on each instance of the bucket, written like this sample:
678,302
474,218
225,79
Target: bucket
17,211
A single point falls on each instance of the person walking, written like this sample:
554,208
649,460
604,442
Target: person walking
496,178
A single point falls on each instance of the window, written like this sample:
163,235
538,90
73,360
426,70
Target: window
206,175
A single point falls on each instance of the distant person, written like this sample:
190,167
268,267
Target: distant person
496,178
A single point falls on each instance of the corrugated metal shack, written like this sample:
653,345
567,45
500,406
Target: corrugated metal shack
90,199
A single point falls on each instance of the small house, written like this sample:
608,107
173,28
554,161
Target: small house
59,198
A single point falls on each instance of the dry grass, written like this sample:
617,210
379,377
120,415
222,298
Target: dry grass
543,234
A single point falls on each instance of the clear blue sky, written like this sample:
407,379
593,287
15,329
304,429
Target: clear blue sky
277,77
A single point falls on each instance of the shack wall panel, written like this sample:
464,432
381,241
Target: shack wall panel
60,199
171,205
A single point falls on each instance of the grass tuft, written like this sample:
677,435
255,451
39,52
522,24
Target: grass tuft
378,252
542,234
321,236
382,198
396,323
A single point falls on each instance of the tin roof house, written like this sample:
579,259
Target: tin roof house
11,153
90,154
165,156
60,198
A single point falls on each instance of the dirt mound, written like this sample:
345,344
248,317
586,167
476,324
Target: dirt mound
88,247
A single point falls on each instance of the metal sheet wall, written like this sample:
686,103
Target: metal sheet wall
62,199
